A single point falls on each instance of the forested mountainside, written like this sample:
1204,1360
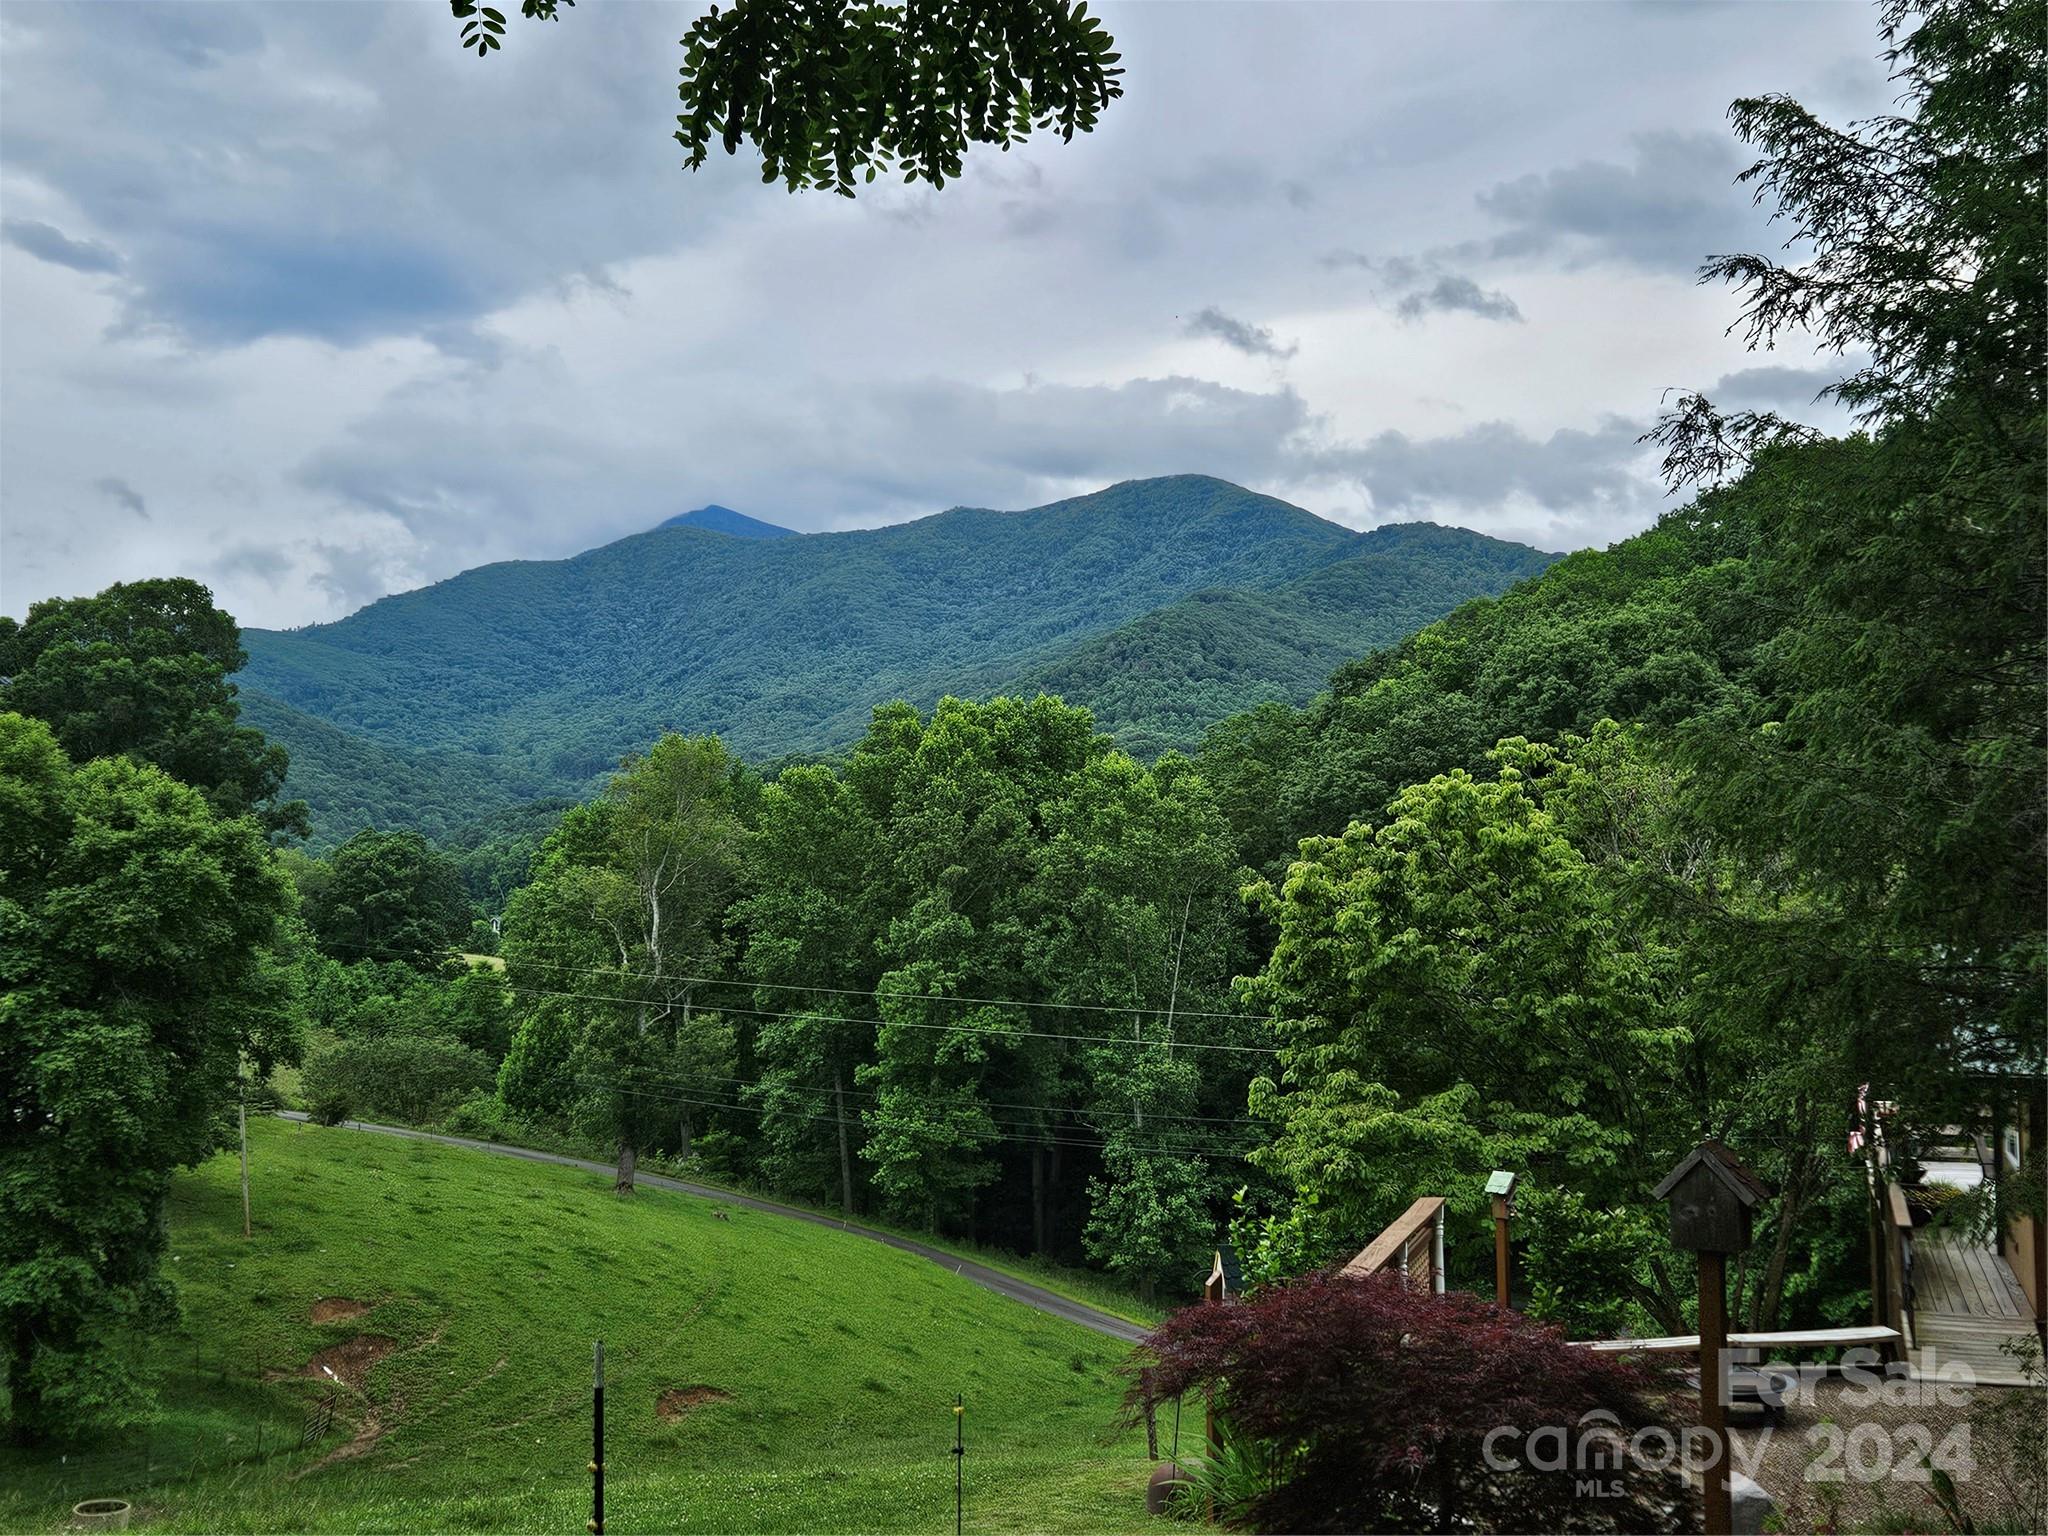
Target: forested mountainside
1167,603
354,780
1163,679
1663,629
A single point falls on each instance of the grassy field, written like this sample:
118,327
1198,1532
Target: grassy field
1103,1292
808,1375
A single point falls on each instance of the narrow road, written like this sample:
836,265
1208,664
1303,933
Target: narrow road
1036,1297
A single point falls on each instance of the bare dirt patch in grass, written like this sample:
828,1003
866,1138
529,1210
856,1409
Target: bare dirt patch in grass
335,1309
349,1363
369,1430
677,1401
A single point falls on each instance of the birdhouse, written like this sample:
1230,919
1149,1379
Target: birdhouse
1711,1196
1226,1275
1233,1272
1501,1185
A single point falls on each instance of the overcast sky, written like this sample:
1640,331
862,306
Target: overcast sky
306,302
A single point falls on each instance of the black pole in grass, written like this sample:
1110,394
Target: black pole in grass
959,1460
597,1441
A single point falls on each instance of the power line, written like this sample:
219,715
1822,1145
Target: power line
876,992
681,1081
952,1029
685,1079
1181,1149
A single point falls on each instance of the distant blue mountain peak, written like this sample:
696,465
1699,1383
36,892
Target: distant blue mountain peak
719,519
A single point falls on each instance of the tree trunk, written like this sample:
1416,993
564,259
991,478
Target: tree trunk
27,1406
683,1129
1661,1298
1038,1199
845,1150
1791,1206
629,1158
1052,1193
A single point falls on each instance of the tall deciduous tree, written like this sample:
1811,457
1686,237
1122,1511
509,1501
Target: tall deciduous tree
623,929
132,925
812,920
141,671
1452,993
387,896
1896,752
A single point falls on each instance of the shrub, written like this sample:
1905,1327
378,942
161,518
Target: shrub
1229,1481
1372,1406
327,1101
1928,1201
483,1117
414,1078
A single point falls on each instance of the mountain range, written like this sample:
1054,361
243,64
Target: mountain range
1162,604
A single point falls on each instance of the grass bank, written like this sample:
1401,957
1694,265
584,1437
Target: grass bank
762,1373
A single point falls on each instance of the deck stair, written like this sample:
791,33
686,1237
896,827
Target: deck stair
1967,1305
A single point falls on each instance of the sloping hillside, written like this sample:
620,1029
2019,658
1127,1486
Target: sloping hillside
762,1374
536,677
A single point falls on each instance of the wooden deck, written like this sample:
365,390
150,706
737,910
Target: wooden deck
1966,1304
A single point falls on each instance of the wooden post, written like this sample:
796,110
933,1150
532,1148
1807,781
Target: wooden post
242,1113
1500,1249
1712,1197
1212,1294
1501,1185
597,1440
2034,1131
959,1460
1713,1399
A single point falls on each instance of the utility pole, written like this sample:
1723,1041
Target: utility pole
596,1526
1173,996
242,1115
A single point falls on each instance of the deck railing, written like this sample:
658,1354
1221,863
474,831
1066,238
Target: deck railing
1891,1239
1413,1244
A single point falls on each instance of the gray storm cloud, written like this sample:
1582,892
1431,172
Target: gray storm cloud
122,494
46,242
458,313
1238,335
1455,295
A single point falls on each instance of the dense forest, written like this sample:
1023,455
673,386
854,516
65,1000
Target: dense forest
1691,837
1163,605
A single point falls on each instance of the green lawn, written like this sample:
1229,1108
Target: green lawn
489,1278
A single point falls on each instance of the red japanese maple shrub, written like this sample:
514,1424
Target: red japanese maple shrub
1373,1405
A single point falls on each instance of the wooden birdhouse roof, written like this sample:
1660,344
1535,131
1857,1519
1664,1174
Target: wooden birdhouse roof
1723,1165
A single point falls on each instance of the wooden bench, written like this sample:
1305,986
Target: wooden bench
1788,1338
1749,1383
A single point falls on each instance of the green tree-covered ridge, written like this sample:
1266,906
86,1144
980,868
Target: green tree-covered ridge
1163,605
